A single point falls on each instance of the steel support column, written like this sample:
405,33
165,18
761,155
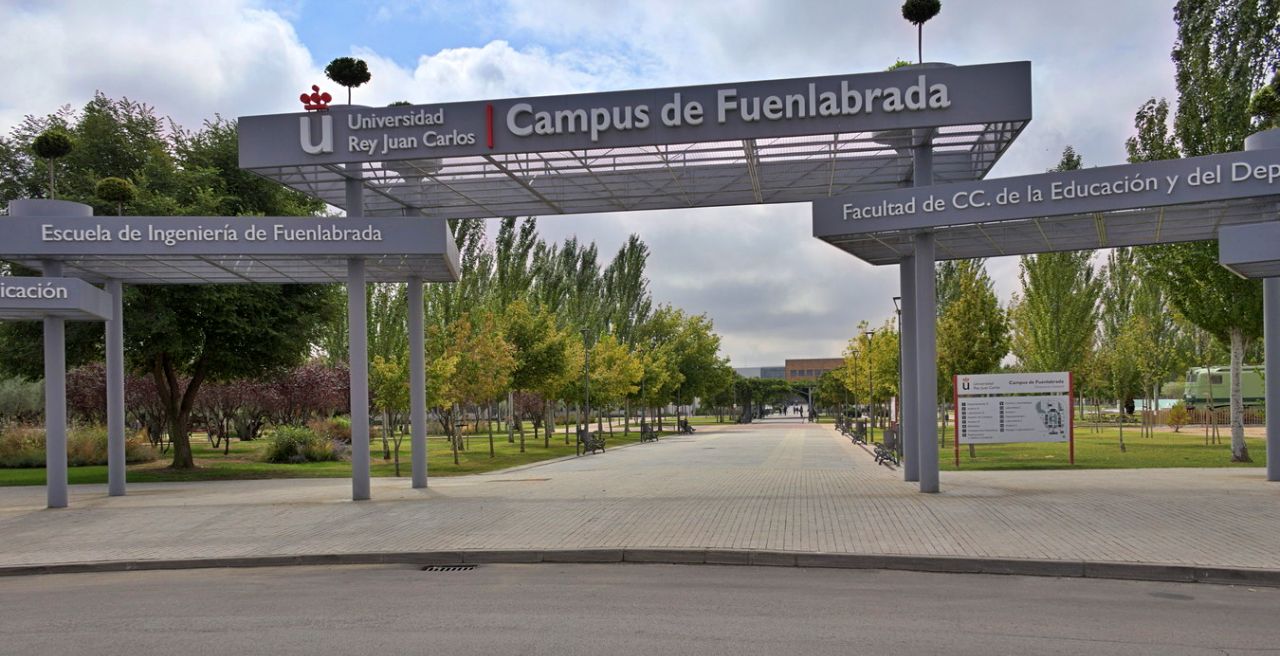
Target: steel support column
926,363
115,392
1271,344
358,349
907,353
417,385
358,355
55,402
921,176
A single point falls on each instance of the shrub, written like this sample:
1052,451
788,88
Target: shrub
298,444
1178,416
20,400
335,429
22,446
86,445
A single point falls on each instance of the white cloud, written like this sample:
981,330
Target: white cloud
190,60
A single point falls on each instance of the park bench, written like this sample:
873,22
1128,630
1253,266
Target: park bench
887,450
647,434
684,426
588,442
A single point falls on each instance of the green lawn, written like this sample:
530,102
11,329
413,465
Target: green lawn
245,461
1101,450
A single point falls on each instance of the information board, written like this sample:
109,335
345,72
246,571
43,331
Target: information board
1007,408
1003,419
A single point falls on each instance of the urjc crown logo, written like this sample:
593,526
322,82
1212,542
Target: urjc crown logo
316,102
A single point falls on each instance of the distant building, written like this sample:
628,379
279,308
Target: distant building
778,373
810,368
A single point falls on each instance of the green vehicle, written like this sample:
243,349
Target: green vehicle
1212,385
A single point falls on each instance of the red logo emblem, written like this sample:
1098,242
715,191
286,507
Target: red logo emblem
315,101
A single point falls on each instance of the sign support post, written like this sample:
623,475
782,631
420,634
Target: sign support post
955,403
417,385
358,349
909,425
926,355
358,354
1271,345
1071,418
55,401
115,392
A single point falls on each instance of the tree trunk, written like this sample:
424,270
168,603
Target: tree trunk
386,437
454,439
942,435
178,404
489,423
511,409
1239,450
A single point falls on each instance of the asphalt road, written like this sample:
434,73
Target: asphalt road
600,610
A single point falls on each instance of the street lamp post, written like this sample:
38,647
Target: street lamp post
586,380
897,312
871,390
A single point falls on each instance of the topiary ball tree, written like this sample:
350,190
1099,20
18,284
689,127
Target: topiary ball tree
116,190
348,72
51,145
918,12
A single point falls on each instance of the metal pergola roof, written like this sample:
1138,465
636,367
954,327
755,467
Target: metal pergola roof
197,250
699,174
1251,251
1071,232
79,301
208,269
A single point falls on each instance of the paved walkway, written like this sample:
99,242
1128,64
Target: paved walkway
778,486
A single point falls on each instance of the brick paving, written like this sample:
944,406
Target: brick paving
775,486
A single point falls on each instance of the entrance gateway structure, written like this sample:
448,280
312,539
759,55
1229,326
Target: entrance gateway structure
797,140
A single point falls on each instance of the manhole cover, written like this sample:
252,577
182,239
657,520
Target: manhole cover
448,568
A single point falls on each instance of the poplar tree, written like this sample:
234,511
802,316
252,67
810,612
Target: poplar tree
1055,315
1224,53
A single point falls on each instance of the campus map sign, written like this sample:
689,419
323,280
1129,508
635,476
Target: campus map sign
900,99
1001,408
1148,184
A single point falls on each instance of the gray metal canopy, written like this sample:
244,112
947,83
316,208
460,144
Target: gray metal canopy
589,153
204,250
32,299
1251,251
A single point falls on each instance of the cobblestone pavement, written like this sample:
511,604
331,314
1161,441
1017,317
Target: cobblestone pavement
775,486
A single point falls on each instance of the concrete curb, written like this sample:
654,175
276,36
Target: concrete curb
763,558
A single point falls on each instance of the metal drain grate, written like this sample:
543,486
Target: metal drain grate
448,568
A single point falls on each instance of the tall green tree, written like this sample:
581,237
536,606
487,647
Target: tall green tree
973,332
1055,314
182,336
626,290
540,349
1224,53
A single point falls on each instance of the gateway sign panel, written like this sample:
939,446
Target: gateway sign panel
902,99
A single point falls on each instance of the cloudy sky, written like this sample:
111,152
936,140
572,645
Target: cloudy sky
771,288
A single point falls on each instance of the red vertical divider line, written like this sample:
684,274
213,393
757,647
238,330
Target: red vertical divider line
1071,417
488,122
955,402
